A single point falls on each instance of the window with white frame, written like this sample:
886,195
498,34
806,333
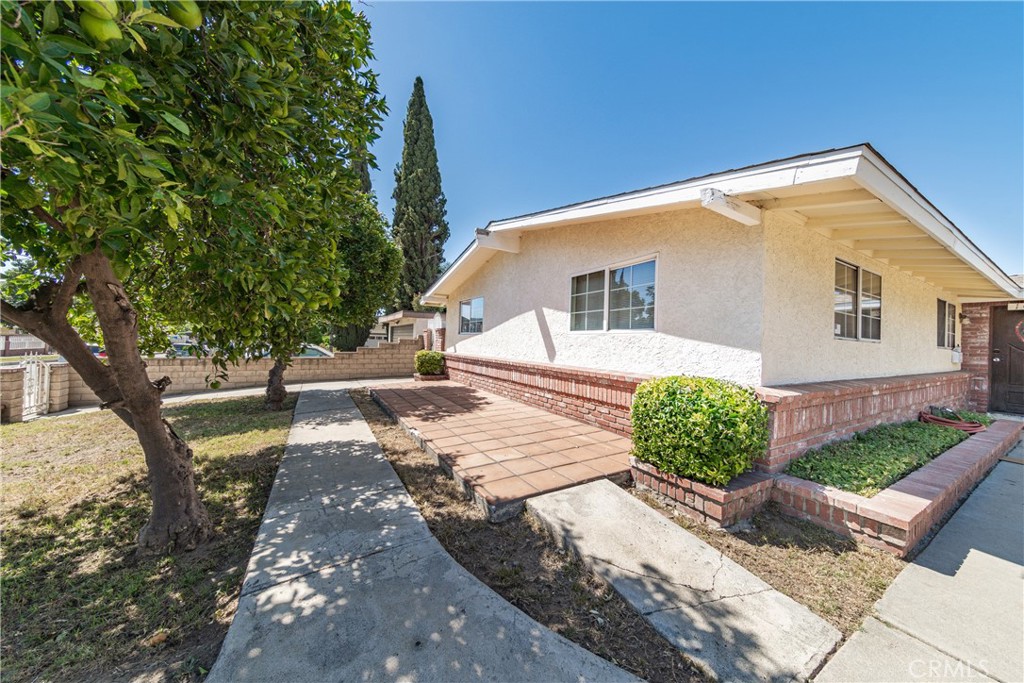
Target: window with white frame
586,309
471,316
945,324
857,303
618,298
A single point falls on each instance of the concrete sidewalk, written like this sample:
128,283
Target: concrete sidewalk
957,612
346,582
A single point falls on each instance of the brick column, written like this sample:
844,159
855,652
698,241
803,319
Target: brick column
439,335
976,342
428,339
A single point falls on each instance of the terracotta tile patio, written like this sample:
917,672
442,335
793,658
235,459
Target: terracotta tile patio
501,450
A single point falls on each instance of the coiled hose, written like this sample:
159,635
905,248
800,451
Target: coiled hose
963,426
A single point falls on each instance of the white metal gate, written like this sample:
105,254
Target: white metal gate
36,391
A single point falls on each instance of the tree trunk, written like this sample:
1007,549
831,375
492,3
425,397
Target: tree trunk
276,393
178,520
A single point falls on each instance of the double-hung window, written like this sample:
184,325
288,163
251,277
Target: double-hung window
617,298
945,324
857,303
471,316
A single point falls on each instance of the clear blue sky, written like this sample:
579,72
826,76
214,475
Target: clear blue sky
536,105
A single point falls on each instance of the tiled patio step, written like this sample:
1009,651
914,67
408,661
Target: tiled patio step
500,461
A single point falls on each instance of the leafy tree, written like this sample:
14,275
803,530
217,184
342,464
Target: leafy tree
375,269
151,166
419,225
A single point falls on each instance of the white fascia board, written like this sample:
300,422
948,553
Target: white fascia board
437,294
876,176
826,166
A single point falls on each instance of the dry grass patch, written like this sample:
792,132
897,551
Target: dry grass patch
521,562
78,603
834,577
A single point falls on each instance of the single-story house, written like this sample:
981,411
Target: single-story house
14,342
405,324
827,280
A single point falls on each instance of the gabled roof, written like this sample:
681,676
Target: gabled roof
851,194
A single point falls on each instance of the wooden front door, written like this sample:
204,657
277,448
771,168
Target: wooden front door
1007,361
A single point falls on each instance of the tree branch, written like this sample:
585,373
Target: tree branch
23,318
61,302
46,217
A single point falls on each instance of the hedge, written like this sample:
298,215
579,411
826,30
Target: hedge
705,429
430,362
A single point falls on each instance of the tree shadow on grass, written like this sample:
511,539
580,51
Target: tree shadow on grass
79,602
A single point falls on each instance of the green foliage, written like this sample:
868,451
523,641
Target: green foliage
419,225
706,429
430,362
210,165
875,459
971,416
349,337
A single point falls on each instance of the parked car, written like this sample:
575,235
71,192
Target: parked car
314,351
185,350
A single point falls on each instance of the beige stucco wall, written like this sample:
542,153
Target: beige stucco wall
799,344
708,297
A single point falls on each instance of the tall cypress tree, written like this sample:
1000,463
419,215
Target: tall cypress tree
419,226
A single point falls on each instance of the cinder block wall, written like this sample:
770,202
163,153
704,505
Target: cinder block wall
188,375
12,387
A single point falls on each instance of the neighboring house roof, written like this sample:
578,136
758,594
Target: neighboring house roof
400,316
852,195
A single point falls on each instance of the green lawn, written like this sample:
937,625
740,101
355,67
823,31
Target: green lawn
77,601
877,458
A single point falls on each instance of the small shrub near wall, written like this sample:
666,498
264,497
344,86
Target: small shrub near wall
704,429
430,362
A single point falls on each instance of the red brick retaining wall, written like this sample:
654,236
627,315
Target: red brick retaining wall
711,505
602,399
898,518
804,416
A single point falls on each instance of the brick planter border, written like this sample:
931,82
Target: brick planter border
429,378
711,505
900,517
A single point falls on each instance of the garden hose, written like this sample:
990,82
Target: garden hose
962,425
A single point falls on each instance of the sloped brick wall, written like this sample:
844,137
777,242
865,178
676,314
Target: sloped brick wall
804,416
602,399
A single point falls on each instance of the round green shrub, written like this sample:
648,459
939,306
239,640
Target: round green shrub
705,429
430,362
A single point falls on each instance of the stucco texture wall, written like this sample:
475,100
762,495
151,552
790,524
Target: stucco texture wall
708,298
799,344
